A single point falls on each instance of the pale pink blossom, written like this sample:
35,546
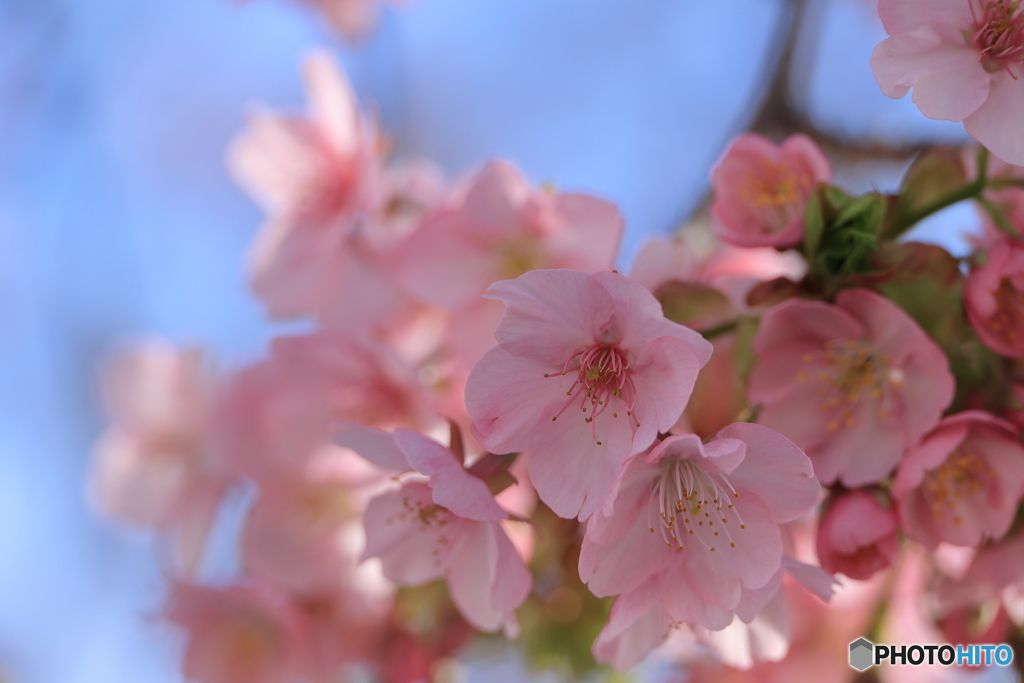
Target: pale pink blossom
242,634
696,527
853,383
315,176
962,483
964,60
992,584
157,464
304,533
497,227
857,535
281,411
445,527
640,621
761,190
334,211
994,298
587,372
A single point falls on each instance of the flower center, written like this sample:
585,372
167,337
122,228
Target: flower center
694,502
518,256
998,34
426,515
775,194
851,369
960,476
603,373
1008,319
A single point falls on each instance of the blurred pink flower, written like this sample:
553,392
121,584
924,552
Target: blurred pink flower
242,634
853,384
334,210
994,582
994,298
444,527
964,60
640,620
498,227
962,483
304,533
698,525
282,411
857,536
597,346
315,176
157,464
761,190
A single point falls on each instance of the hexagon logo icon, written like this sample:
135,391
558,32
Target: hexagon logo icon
861,653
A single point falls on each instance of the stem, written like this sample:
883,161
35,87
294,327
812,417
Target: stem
719,330
969,191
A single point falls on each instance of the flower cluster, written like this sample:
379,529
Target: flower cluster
487,428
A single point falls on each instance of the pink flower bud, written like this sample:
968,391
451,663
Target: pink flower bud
857,536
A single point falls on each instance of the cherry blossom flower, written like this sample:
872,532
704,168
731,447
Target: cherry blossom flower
761,190
282,411
853,383
587,372
640,620
994,298
444,527
157,465
304,532
994,582
962,483
498,227
696,526
857,536
315,176
964,60
242,634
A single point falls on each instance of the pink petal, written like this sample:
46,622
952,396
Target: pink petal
442,267
472,566
333,104
552,314
665,372
373,444
507,396
589,238
453,487
272,160
775,470
638,319
901,16
684,604
411,553
637,624
492,204
814,579
574,475
996,123
627,547
949,81
810,155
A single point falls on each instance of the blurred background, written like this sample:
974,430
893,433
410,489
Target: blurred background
118,220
